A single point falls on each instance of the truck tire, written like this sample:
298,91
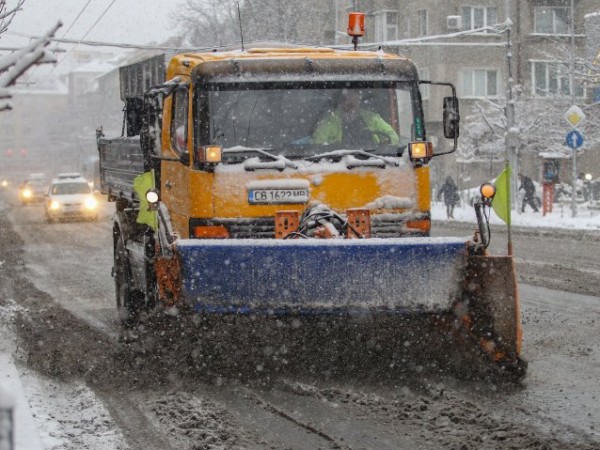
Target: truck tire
129,301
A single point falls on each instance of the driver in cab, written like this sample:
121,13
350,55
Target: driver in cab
350,123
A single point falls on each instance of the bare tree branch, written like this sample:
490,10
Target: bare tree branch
15,64
6,17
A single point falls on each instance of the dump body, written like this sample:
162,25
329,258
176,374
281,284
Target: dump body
271,204
121,160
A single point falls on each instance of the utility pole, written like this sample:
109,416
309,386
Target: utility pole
511,138
572,83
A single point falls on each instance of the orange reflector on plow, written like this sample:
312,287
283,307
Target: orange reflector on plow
359,223
286,222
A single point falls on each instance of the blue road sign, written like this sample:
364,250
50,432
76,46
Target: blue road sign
574,139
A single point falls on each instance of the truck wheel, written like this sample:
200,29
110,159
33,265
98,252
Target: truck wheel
129,301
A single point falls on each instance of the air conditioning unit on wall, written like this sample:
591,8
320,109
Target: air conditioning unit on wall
454,23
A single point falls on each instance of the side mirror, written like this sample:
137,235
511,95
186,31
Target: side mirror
451,117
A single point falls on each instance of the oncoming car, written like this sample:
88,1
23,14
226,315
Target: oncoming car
71,197
33,189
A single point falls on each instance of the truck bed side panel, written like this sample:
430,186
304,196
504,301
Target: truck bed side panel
121,160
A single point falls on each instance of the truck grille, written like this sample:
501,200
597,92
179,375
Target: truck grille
382,226
246,228
394,225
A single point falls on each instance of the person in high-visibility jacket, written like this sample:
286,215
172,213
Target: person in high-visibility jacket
351,124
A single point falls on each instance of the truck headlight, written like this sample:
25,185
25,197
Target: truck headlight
91,203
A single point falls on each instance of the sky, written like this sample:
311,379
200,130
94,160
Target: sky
137,22
125,21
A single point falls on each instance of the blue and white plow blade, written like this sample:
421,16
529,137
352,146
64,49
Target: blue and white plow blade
322,276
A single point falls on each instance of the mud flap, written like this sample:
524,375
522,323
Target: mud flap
168,277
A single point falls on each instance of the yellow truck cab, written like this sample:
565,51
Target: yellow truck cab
259,110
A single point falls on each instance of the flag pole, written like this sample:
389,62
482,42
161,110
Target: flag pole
507,180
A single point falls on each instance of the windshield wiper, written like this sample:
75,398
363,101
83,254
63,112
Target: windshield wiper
281,162
341,153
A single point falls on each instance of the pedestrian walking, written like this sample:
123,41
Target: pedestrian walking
449,191
529,189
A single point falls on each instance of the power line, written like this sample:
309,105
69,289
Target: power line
84,36
86,33
99,18
149,47
77,18
122,45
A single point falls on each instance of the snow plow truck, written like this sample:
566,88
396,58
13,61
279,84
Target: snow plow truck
234,199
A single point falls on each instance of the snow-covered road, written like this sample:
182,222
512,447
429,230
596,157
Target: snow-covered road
85,390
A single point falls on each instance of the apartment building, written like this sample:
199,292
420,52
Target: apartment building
542,42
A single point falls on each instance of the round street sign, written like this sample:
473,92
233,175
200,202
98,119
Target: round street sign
574,139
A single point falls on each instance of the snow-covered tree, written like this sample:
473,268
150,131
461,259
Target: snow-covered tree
305,22
536,123
210,23
539,126
12,66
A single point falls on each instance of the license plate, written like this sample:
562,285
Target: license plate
277,196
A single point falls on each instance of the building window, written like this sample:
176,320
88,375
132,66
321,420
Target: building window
422,22
386,26
479,83
554,78
551,20
478,17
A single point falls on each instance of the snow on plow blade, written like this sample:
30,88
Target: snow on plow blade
323,276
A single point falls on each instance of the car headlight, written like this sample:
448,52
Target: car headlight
91,203
27,193
4,183
54,205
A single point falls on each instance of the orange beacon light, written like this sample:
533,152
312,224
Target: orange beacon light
356,27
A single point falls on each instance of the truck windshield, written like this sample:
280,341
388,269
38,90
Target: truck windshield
302,122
